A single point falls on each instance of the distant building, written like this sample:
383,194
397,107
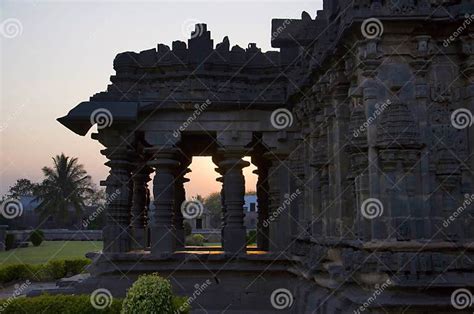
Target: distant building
206,221
251,211
30,218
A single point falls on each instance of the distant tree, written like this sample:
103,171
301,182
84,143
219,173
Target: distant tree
97,198
66,185
213,202
214,206
22,187
199,198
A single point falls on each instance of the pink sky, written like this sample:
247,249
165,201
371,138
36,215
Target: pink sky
64,54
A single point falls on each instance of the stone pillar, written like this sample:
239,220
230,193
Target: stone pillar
317,162
424,221
262,201
223,215
344,216
468,171
147,210
141,177
180,197
234,232
219,170
279,228
116,233
162,231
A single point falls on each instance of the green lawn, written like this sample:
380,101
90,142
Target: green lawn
49,250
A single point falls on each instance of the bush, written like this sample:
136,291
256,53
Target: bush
17,272
195,240
181,305
76,266
9,241
67,304
72,304
54,269
187,229
252,237
36,237
152,294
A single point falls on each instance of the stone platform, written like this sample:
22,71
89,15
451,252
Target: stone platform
219,281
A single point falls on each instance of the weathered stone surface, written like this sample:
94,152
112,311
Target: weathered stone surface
370,181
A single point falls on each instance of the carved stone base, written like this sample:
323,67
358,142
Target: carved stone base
139,240
116,238
162,240
235,240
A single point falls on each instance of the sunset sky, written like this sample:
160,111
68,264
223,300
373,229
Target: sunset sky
64,54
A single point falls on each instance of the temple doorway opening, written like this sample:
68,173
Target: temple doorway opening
204,190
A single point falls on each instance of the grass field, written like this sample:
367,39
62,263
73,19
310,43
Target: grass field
49,250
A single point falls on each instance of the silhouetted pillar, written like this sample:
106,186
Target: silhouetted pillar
278,184
140,206
116,233
223,211
180,197
162,231
219,170
262,201
234,191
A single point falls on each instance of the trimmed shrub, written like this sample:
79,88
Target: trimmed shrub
195,240
36,237
181,305
55,269
73,304
9,241
76,266
66,304
252,237
17,272
149,294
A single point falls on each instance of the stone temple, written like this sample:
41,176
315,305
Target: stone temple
361,129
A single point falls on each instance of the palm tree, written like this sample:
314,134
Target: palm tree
66,186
